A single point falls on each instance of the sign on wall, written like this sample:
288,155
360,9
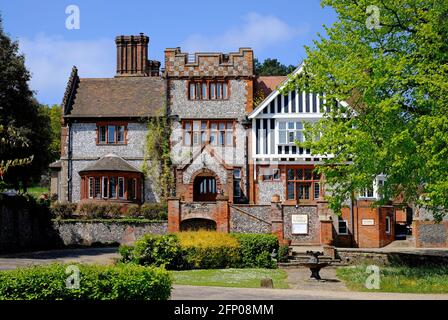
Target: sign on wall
299,223
368,222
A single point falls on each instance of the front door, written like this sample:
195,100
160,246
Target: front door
204,189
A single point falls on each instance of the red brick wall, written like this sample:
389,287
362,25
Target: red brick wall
373,236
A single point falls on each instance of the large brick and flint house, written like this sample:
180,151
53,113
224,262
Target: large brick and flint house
236,168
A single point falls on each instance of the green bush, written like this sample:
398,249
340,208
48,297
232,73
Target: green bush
208,250
92,210
203,250
63,210
256,249
125,282
283,253
157,250
112,210
126,253
133,211
154,211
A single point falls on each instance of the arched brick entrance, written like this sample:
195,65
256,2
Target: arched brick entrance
197,224
205,185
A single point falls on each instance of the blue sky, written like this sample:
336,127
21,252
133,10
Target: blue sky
274,29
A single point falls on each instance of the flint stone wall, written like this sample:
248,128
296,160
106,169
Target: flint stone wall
245,223
106,233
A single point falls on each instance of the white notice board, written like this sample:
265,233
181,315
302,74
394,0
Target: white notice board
299,224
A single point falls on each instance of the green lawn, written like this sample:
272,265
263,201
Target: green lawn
243,278
37,191
403,279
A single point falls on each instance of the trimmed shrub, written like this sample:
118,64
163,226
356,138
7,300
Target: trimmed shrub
126,253
157,250
125,282
154,211
256,249
92,210
208,250
283,253
133,211
63,210
203,250
112,210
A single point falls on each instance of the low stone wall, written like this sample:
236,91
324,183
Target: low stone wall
250,219
356,257
86,233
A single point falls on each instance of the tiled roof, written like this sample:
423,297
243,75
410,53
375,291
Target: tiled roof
110,162
116,97
267,84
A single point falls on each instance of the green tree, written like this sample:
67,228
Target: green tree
20,118
393,72
271,67
54,116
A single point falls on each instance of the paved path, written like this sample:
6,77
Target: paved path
299,278
83,255
218,293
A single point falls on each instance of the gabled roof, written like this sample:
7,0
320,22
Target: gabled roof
110,162
119,97
267,84
273,94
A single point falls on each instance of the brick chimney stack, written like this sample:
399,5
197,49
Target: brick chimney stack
132,57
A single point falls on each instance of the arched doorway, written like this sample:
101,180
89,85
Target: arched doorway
197,224
204,188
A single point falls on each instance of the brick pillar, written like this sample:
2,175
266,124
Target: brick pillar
326,223
276,216
222,215
174,214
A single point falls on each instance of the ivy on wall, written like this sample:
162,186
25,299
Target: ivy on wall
157,156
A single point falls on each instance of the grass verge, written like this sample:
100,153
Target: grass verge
242,278
37,191
402,279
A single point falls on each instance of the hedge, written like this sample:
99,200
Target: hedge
208,250
125,282
203,250
256,249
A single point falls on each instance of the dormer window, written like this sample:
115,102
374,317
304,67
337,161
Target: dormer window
111,133
208,90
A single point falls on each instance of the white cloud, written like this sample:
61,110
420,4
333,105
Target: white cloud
50,59
257,31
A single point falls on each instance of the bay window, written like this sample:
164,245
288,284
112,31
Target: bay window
109,186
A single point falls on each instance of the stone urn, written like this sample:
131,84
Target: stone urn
275,198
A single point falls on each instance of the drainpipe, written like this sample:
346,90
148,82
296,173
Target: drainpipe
247,170
352,216
70,164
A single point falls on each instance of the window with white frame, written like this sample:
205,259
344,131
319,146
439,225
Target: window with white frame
367,193
388,225
289,132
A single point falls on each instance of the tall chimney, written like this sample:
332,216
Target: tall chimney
132,55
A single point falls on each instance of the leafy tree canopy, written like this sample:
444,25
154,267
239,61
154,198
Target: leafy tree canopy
393,71
21,119
271,67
